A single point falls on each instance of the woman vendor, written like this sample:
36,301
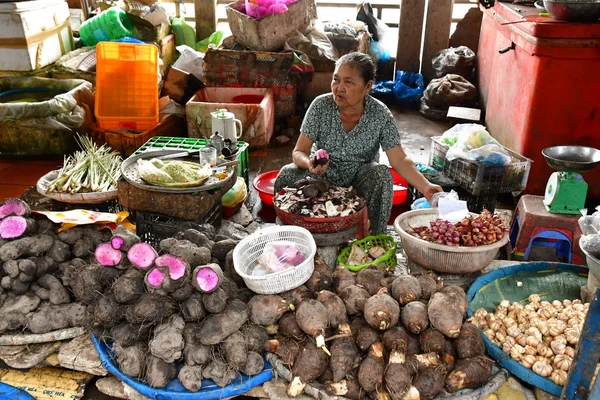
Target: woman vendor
351,126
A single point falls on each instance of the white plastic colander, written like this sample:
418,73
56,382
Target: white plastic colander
247,252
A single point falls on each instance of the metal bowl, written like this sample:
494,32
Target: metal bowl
572,10
572,158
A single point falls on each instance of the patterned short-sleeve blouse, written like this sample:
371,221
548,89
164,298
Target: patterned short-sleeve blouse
348,151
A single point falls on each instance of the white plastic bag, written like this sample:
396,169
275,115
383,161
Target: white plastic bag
452,195
280,255
490,154
190,61
466,137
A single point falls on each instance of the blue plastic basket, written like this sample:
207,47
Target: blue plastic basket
174,390
496,352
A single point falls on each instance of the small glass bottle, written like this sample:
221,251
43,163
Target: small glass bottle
217,142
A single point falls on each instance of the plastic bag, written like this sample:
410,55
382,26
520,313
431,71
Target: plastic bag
314,43
435,113
190,61
236,194
468,137
263,8
452,195
215,39
490,154
408,88
591,244
280,255
590,224
451,90
455,60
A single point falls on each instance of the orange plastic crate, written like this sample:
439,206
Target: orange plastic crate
126,86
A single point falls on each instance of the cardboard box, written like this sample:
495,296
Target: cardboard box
33,34
271,32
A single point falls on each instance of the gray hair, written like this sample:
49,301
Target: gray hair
362,62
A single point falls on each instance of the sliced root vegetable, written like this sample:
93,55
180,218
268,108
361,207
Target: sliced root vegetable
142,255
16,226
154,280
13,206
177,267
206,278
107,256
123,239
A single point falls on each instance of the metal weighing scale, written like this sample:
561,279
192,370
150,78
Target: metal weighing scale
566,190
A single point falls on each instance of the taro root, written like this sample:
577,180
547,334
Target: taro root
344,353
342,278
406,288
429,382
469,343
381,311
336,309
414,317
397,377
309,365
371,371
267,309
312,319
444,314
469,373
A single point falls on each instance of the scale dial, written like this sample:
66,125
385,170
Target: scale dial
551,189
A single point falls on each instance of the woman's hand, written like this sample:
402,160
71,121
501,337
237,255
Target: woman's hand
430,190
317,169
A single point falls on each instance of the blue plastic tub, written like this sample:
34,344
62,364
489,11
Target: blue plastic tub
174,390
486,282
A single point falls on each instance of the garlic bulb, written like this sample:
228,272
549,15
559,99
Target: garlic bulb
547,312
529,307
523,327
528,360
490,319
569,351
558,347
558,305
490,334
534,298
495,325
572,335
545,304
480,313
573,322
542,327
506,346
542,368
564,315
577,301
517,352
567,302
530,350
544,351
559,377
561,339
578,307
504,304
534,332
533,341
563,362
500,337
509,321
513,331
548,339
522,340
557,328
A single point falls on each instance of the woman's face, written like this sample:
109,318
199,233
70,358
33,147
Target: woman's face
348,87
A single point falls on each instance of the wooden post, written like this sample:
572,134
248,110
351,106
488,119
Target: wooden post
437,33
410,33
586,356
206,18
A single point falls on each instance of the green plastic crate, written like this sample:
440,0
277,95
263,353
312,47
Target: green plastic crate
166,142
388,261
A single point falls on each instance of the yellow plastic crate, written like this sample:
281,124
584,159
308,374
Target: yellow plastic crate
126,86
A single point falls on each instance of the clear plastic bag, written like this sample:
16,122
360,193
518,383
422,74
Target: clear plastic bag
280,255
452,195
490,154
591,244
468,137
590,224
151,171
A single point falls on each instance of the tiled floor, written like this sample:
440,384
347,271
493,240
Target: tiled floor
18,176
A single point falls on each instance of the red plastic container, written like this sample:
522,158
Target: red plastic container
264,185
400,188
543,89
